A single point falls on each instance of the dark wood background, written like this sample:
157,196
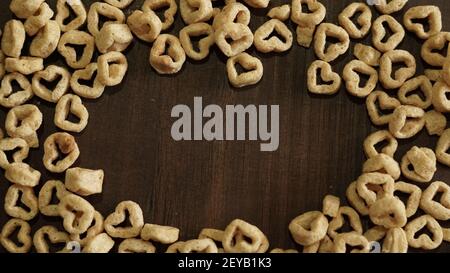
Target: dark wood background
192,185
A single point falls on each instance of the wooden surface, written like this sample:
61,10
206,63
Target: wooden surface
192,185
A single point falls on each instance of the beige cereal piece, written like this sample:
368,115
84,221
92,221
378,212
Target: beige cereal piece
367,54
24,65
402,74
77,213
313,16
252,65
257,4
121,4
375,234
309,228
46,41
112,67
281,13
169,63
439,210
242,237
413,201
136,246
22,174
388,212
384,164
204,44
421,83
198,246
280,250
364,20
23,121
213,234
338,222
136,219
439,98
395,241
84,182
95,229
431,13
326,245
377,104
355,200
18,145
23,236
80,38
441,148
113,37
378,137
51,74
25,8
265,43
424,241
145,25
27,200
419,164
435,122
379,33
240,35
63,10
170,11
101,243
353,80
353,239
161,234
305,35
54,236
431,47
57,146
390,6
333,51
13,38
330,206
233,12
406,121
371,186
38,20
327,75
97,9
175,247
434,75
46,195
196,11
85,91
71,104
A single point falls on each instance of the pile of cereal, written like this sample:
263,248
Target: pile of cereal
373,194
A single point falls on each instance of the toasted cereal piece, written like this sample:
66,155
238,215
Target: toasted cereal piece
406,121
196,11
89,92
54,236
364,20
440,210
314,16
50,74
376,103
19,148
24,65
440,101
10,98
28,200
388,212
112,67
145,25
13,38
136,219
161,234
442,146
355,200
390,6
136,246
253,66
281,13
424,241
97,9
234,238
357,241
71,104
331,206
379,33
432,13
101,243
384,164
63,9
240,35
432,47
198,246
84,182
46,40
77,213
419,164
305,35
76,37
375,234
23,121
327,74
402,74
413,201
204,44
25,8
333,51
169,63
421,83
377,137
371,186
23,236
121,4
367,54
353,80
46,195
434,75
232,12
39,19
338,222
22,174
169,12
94,229
60,145
113,37
265,44
395,241
435,122
309,228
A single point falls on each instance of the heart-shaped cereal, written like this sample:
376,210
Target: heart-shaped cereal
136,219
326,75
50,74
385,102
27,199
253,66
85,91
71,104
46,196
54,236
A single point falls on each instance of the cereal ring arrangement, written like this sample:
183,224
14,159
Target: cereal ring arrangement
374,195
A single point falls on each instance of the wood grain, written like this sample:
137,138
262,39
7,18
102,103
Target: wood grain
192,185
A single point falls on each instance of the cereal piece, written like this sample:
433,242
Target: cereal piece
445,74
439,210
71,104
23,121
50,74
364,20
353,80
422,83
395,241
95,229
53,235
370,186
406,121
77,213
257,4
331,205
384,164
240,35
375,234
430,49
101,243
281,13
388,212
22,174
198,246
434,75
89,92
435,122
46,195
169,13
367,54
338,222
24,65
305,35
136,246
439,98
161,234
326,245
169,63
145,25
233,12
355,240
38,20
424,241
121,4
25,8
23,236
377,103
265,44
136,219
334,50
252,65
204,44
213,234
175,247
80,38
377,137
379,33
46,40
63,13
97,9
60,145
415,193
309,228
242,237
112,68
432,13
442,146
196,11
27,199
314,16
13,38
113,37
355,200
327,75
279,250
419,164
314,248
18,145
390,6
84,182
